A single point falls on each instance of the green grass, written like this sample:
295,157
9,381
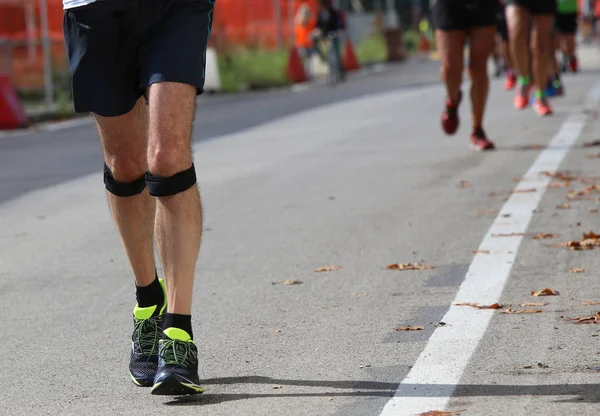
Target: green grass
244,69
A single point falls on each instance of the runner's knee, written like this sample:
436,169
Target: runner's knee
127,185
166,186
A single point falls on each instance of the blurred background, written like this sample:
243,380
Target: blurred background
252,39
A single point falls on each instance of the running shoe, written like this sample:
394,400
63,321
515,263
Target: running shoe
450,120
177,365
574,64
147,322
542,107
522,97
480,142
510,81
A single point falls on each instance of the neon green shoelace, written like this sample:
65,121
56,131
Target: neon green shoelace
147,332
176,352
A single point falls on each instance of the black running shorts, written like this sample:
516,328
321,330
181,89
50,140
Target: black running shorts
117,48
536,7
463,14
566,23
501,27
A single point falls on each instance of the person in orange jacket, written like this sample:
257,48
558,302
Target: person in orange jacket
304,24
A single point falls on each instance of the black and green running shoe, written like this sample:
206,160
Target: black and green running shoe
147,322
177,365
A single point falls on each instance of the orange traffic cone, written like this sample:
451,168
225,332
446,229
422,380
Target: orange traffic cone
294,70
349,59
424,44
12,115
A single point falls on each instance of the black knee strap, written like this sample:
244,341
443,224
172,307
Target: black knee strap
123,189
182,181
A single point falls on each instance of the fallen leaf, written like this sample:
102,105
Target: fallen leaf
509,235
591,236
594,143
560,185
565,205
521,311
590,302
542,365
526,366
288,282
533,304
277,331
481,252
586,319
593,156
545,292
409,328
563,176
440,413
328,269
576,270
494,306
543,236
409,266
276,387
524,191
486,212
533,147
583,192
591,210
464,184
506,215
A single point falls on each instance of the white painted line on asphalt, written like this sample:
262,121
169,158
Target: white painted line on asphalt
437,371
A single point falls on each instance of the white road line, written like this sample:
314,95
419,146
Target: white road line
437,371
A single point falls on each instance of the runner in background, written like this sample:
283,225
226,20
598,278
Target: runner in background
303,26
566,29
457,21
504,47
521,14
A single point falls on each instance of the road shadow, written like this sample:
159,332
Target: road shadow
581,393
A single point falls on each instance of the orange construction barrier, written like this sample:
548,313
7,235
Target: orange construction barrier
12,115
350,59
294,70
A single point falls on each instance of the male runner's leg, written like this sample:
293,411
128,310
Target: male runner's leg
518,19
481,41
111,70
543,19
566,24
450,32
511,79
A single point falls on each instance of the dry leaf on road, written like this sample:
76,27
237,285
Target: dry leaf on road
593,156
521,311
594,143
276,387
277,331
576,269
464,184
545,292
409,328
409,266
328,269
440,413
288,282
586,319
566,205
543,236
591,210
533,304
494,306
590,302
560,185
481,252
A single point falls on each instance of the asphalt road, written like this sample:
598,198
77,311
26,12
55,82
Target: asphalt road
360,177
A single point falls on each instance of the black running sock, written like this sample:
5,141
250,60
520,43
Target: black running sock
174,320
150,295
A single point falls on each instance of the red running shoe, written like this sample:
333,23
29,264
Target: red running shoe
480,142
450,120
574,64
510,81
542,107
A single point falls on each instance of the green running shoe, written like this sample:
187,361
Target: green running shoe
147,322
177,365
